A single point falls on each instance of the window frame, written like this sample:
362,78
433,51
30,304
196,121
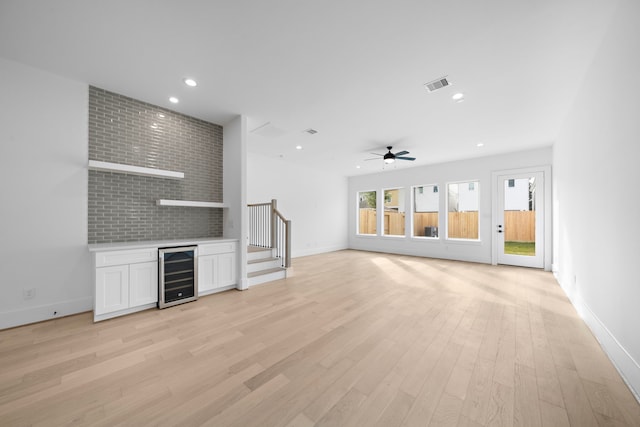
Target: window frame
381,217
477,190
358,214
413,212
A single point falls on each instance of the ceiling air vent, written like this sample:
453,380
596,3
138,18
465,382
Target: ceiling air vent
437,84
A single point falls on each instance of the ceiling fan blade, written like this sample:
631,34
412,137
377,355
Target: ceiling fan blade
406,158
373,158
401,153
376,154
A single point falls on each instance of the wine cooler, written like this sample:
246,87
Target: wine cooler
178,275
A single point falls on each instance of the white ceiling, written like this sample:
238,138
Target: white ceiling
353,69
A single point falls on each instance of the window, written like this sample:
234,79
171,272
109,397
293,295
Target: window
394,218
426,205
367,218
462,210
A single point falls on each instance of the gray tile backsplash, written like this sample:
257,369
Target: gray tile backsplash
122,207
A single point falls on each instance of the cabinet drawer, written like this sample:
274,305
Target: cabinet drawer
104,259
216,248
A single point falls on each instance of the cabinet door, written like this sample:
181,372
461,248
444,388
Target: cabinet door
207,272
143,283
112,289
226,269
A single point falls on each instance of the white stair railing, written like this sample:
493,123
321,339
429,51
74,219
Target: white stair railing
268,228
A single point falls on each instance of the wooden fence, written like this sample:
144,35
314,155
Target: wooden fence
519,226
367,223
462,225
394,223
422,220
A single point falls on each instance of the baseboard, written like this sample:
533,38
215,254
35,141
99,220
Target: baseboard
106,316
10,319
216,290
316,251
626,365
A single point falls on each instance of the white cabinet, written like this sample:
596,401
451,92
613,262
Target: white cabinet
125,282
112,289
125,277
217,267
227,274
143,283
207,272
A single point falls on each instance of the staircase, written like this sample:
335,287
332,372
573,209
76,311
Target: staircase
269,250
263,266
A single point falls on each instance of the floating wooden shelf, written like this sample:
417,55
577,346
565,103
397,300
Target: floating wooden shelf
134,170
194,204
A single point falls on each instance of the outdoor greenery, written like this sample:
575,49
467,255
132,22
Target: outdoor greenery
520,248
369,198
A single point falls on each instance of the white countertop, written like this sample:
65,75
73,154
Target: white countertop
118,246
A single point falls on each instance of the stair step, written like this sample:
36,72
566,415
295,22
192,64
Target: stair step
258,253
267,271
257,261
263,264
264,276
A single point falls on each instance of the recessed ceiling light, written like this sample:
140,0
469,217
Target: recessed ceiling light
298,147
458,97
174,100
479,144
357,166
190,82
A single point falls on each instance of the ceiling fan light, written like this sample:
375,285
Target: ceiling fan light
389,157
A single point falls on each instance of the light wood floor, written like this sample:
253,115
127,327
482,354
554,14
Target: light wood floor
353,338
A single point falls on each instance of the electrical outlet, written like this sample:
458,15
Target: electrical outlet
29,293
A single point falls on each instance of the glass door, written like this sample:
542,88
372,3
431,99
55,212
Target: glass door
520,219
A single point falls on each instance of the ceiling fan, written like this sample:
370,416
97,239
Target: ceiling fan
390,157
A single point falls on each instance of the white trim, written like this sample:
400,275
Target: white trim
446,211
394,236
10,319
358,234
316,251
217,290
130,310
472,242
627,366
412,210
548,219
133,170
190,203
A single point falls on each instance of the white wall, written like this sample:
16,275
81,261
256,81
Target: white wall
235,190
43,185
596,245
516,198
315,202
478,169
427,201
468,198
